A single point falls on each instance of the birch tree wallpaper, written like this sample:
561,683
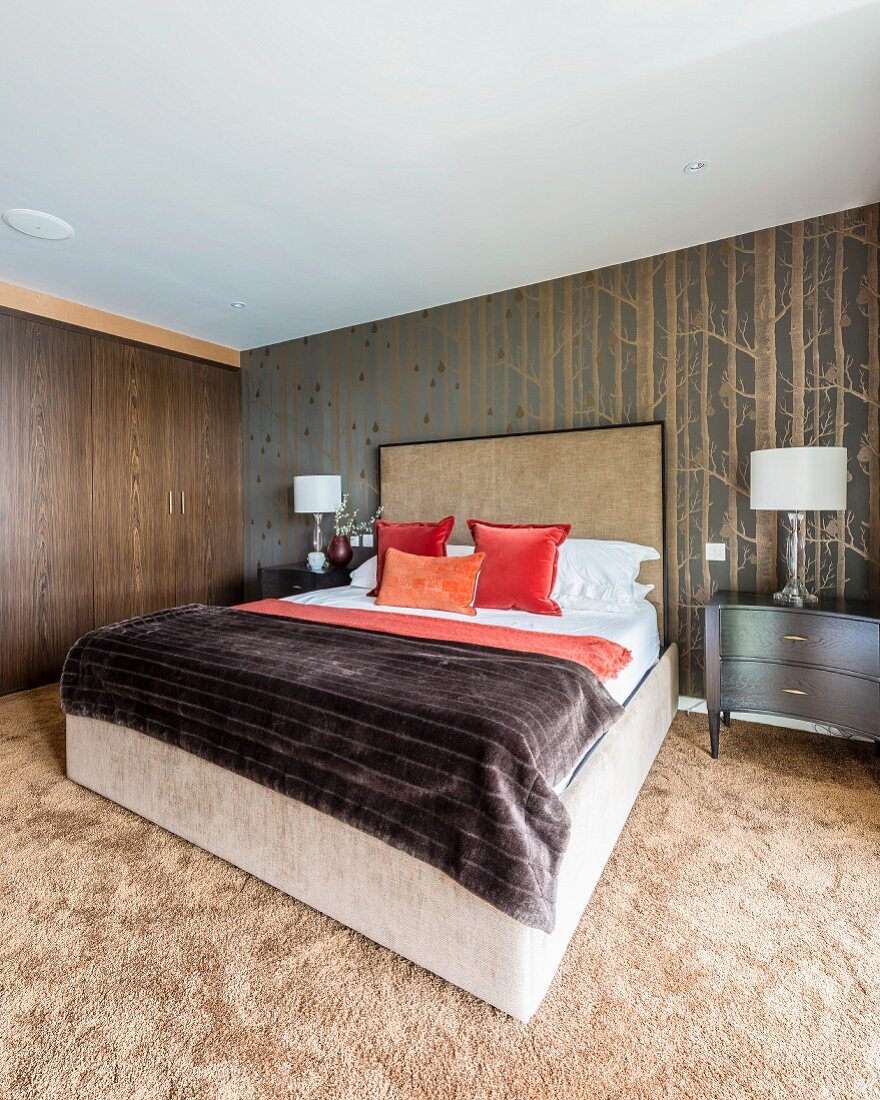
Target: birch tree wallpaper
768,339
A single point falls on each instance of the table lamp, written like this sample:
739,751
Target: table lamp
317,493
798,480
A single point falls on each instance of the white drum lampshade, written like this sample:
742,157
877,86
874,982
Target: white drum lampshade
798,480
317,493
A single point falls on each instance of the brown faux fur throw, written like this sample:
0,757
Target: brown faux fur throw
445,750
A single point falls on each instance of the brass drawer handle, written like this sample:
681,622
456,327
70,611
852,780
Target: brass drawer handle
794,638
793,691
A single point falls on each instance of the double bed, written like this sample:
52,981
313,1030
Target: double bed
608,483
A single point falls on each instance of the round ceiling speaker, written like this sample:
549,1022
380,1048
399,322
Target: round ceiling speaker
37,224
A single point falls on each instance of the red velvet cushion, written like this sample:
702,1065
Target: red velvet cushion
520,567
427,539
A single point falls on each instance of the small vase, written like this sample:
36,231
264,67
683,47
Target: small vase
339,551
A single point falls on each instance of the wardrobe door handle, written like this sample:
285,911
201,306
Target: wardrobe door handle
170,503
182,502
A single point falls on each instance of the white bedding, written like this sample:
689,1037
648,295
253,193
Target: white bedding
635,628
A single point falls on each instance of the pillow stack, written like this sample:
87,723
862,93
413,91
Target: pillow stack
528,567
426,539
600,575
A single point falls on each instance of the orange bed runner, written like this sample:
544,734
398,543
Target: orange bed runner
603,657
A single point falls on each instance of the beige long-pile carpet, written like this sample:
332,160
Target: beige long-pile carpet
732,950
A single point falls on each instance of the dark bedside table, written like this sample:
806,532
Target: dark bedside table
276,581
819,663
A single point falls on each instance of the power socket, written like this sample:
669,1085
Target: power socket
716,551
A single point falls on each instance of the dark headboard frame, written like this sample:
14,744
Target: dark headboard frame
653,424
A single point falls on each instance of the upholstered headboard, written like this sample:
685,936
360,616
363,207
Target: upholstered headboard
608,483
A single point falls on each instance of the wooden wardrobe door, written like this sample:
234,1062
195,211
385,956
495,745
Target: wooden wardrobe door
45,499
207,472
223,388
134,531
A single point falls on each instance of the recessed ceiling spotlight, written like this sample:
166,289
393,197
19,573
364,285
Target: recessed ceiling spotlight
37,224
238,305
695,166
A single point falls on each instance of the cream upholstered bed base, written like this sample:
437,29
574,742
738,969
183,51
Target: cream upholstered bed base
400,902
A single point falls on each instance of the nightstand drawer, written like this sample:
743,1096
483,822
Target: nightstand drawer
802,637
276,585
277,581
808,693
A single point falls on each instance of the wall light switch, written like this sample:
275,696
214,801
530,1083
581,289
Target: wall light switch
716,551
367,540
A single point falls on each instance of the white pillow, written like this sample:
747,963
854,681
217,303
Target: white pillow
365,574
600,571
617,606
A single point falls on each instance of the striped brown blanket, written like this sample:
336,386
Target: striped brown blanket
446,750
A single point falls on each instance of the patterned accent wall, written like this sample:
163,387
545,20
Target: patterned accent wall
767,339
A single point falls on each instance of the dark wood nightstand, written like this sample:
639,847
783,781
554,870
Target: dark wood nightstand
277,581
819,663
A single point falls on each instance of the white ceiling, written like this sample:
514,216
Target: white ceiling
341,161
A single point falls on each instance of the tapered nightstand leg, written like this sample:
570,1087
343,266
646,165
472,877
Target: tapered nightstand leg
714,729
725,718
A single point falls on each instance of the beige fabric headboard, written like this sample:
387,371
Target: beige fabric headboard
606,482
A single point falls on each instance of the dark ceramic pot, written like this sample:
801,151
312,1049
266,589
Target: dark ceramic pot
339,551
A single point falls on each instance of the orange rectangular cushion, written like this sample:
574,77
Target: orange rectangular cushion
431,584
521,564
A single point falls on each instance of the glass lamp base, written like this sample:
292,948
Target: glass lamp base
318,534
795,594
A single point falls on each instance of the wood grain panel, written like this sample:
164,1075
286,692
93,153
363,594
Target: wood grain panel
207,477
45,499
134,535
809,693
223,390
98,320
802,637
277,581
192,519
